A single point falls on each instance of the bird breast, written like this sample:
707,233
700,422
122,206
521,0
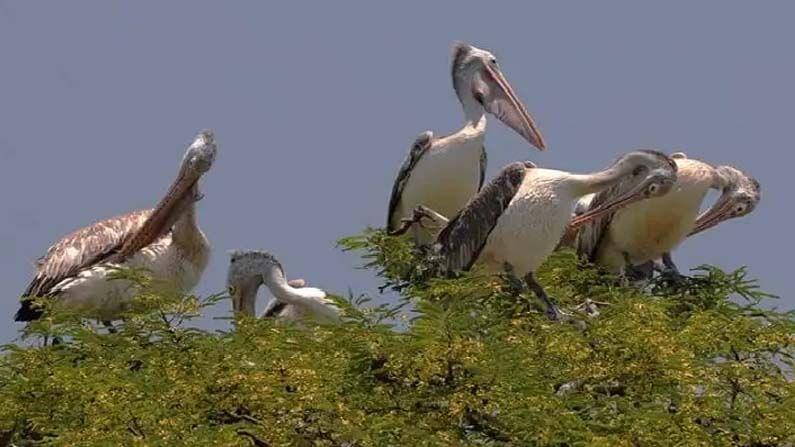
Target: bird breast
444,178
532,225
649,228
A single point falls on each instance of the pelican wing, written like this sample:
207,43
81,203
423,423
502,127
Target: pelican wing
82,248
484,160
590,235
273,308
569,238
420,147
462,240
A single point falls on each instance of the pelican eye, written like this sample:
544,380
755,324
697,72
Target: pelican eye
493,61
740,208
653,188
479,97
232,290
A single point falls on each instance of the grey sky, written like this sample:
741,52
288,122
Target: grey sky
314,106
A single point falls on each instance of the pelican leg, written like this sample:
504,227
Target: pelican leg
670,267
418,214
640,272
510,278
109,326
552,310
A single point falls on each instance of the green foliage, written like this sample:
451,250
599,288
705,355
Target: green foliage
701,363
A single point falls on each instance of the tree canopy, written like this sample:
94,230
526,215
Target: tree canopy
473,362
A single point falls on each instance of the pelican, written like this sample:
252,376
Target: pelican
165,240
249,269
645,231
741,193
516,221
444,173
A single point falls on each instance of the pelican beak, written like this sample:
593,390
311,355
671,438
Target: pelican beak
718,213
183,192
498,98
663,181
237,299
244,297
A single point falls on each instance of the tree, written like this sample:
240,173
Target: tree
699,363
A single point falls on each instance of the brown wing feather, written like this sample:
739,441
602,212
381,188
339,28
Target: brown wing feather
82,248
418,148
590,235
461,241
484,161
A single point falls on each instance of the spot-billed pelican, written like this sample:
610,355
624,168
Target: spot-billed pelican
249,269
444,173
165,240
647,230
516,221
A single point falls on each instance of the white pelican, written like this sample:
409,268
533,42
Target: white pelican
444,173
645,231
165,240
249,269
516,221
741,193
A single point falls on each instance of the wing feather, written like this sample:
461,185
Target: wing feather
591,234
273,308
82,248
484,160
418,148
462,240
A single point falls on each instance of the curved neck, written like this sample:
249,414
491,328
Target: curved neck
308,299
593,183
282,291
248,297
186,232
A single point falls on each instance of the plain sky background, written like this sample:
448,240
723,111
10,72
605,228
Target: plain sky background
315,105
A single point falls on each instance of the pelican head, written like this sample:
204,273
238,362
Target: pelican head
247,272
480,85
644,174
200,155
197,161
740,195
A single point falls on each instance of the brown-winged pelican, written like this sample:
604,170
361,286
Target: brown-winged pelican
249,269
516,221
165,240
645,231
444,173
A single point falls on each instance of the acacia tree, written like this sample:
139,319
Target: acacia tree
474,363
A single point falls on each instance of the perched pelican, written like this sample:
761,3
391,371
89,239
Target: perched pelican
645,231
165,240
741,193
292,301
516,221
444,173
